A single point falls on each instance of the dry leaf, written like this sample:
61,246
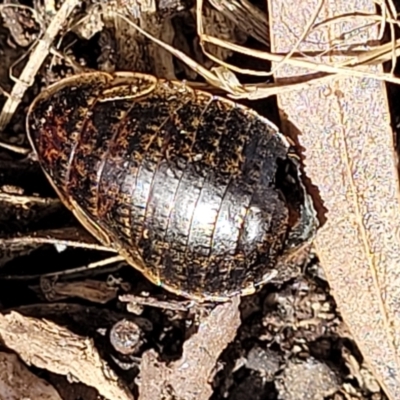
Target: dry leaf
349,155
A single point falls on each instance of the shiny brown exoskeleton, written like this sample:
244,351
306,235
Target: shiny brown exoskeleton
199,193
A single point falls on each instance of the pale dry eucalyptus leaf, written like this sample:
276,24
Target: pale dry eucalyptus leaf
349,156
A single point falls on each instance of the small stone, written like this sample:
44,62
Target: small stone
265,361
312,379
370,383
126,337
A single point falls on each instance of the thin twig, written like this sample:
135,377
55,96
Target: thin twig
35,61
71,272
14,148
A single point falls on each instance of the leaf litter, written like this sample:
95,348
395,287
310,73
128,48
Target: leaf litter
222,76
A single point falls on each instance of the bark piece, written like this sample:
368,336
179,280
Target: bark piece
48,346
189,378
17,382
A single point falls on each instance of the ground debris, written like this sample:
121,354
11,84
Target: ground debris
17,382
189,378
314,379
265,361
48,346
291,342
